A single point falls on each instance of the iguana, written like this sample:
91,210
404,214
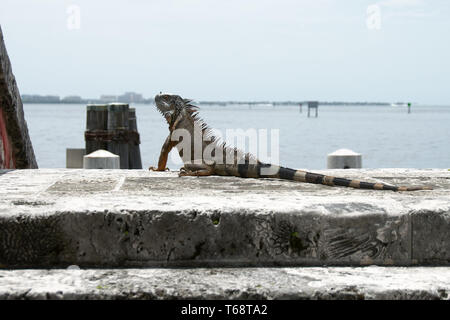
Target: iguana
182,115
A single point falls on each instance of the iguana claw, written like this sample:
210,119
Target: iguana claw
183,172
152,168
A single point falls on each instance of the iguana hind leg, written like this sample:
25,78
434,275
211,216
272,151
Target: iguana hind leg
190,170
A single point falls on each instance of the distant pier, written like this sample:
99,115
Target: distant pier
313,105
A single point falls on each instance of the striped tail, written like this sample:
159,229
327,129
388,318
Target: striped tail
309,177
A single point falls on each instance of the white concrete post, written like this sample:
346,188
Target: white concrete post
101,159
344,159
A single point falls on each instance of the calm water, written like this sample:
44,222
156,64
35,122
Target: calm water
387,137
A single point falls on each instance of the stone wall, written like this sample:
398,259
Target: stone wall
135,218
16,150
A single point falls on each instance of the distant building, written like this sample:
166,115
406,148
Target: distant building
35,98
72,99
131,97
107,98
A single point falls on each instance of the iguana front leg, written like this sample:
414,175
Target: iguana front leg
167,146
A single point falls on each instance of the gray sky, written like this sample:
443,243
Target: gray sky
233,49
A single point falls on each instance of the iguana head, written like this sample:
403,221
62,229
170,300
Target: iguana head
172,106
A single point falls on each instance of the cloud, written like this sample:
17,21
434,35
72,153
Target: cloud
400,3
414,9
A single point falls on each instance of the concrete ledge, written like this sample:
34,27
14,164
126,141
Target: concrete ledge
229,283
127,218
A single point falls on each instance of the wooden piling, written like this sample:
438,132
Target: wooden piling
133,143
118,125
96,125
113,127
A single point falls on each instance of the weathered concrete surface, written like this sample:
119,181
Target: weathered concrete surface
123,218
229,283
16,150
